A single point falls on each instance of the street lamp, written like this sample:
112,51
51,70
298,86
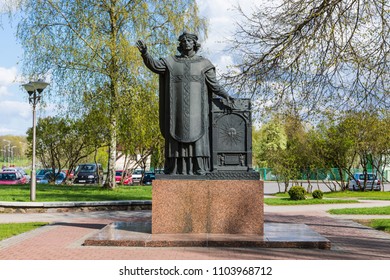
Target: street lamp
34,90
4,151
12,161
7,151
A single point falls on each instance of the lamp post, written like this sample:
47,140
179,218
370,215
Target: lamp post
7,151
12,161
34,90
4,151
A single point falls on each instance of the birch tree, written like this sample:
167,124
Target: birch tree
86,45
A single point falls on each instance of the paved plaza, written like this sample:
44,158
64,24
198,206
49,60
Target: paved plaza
63,238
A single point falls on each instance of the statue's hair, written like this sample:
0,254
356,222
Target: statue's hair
194,37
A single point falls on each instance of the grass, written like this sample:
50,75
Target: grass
385,210
329,198
367,195
309,201
9,230
378,224
46,193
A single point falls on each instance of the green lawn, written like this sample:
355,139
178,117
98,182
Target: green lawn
378,224
9,230
361,211
45,193
329,198
367,195
308,201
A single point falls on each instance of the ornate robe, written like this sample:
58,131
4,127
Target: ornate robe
186,88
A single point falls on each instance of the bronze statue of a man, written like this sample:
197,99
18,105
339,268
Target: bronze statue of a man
187,82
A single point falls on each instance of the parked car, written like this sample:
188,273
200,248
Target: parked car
41,173
12,178
148,178
127,178
20,170
49,177
89,173
357,182
69,173
137,176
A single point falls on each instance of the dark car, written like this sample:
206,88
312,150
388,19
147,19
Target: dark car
41,173
89,173
49,178
148,178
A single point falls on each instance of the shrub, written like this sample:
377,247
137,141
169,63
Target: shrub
317,194
297,193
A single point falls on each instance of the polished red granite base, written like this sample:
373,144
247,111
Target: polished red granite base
276,235
207,206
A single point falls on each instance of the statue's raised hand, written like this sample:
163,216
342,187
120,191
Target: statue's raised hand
142,46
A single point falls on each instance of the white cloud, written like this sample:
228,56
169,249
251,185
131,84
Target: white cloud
15,117
223,16
7,75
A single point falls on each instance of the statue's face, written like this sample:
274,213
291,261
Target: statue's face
187,44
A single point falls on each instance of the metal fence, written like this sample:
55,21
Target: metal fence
332,174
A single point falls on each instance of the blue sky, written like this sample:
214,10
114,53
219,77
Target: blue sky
16,113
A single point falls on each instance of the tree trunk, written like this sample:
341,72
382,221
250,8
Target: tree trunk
110,180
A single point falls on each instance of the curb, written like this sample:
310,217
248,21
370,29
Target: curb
42,207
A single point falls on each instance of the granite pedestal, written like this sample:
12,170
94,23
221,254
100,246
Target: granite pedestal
207,206
207,213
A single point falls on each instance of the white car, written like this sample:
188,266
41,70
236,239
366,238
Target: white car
357,182
137,176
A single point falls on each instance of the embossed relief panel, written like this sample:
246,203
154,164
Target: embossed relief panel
231,133
231,136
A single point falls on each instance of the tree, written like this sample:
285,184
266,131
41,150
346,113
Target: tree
269,138
140,107
87,46
336,147
314,55
279,146
61,143
381,148
371,140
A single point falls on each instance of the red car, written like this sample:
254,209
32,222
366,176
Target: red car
12,178
127,179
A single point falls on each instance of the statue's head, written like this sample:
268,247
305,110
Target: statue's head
190,36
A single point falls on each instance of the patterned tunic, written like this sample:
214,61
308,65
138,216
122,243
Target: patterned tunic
186,87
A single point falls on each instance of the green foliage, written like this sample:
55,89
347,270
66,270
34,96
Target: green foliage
318,194
15,147
297,193
266,141
62,143
88,47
